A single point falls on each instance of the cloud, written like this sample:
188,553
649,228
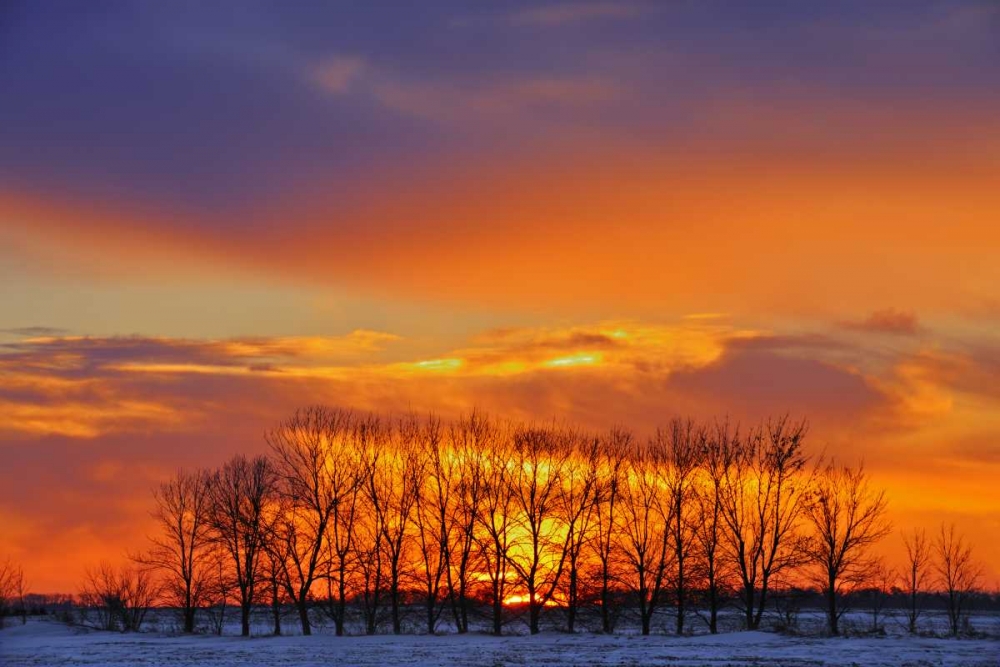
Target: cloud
33,332
887,321
336,74
85,387
559,14
575,12
449,102
98,420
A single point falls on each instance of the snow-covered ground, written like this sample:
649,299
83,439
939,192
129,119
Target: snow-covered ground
53,644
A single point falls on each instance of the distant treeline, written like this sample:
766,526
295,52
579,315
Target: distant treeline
361,513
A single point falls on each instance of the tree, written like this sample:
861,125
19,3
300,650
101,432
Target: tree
315,476
537,555
716,458
847,518
273,565
761,503
218,588
878,590
393,487
469,439
434,486
341,541
958,574
11,590
373,441
914,576
495,516
612,467
121,597
681,445
645,536
243,493
182,550
576,507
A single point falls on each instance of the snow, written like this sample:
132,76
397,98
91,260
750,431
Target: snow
52,644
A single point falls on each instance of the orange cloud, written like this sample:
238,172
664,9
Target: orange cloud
148,405
621,230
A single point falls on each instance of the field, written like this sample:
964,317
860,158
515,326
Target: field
51,644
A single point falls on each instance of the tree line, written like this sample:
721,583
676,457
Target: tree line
351,511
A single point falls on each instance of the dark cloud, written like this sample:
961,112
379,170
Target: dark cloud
760,382
887,321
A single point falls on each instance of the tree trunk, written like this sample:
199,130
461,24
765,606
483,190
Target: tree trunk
341,603
534,608
245,619
605,610
189,620
497,615
463,608
748,599
680,594
304,617
571,602
680,610
713,607
397,622
831,606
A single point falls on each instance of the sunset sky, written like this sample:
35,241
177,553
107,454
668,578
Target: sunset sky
602,212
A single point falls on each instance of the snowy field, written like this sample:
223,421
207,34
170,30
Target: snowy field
53,644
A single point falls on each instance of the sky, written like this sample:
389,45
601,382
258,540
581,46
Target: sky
601,212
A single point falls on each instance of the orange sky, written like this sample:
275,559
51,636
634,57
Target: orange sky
608,216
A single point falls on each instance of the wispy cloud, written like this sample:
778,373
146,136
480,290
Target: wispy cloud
336,74
559,14
887,321
575,12
450,102
34,331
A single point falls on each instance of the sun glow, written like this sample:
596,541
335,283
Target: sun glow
585,359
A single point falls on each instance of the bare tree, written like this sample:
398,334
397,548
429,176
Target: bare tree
341,547
958,574
576,507
274,563
495,517
370,567
368,536
761,503
538,552
914,576
612,468
645,536
182,550
11,590
469,439
847,517
681,445
243,494
719,449
878,591
120,597
434,485
393,494
218,588
341,541
315,476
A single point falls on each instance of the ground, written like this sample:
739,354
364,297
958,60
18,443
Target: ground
52,644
